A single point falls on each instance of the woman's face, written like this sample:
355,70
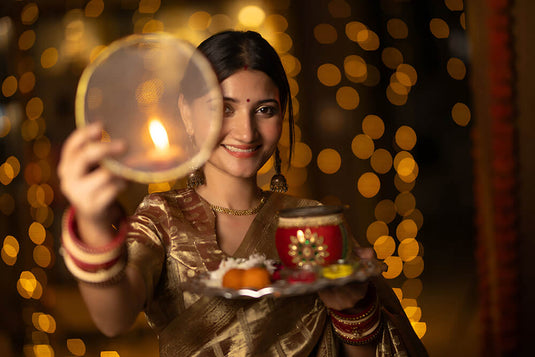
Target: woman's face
252,124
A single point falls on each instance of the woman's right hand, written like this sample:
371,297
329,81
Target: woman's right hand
91,188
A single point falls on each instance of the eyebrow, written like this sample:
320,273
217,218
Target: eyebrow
233,100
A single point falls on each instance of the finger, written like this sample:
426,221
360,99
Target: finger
365,253
92,154
74,143
97,191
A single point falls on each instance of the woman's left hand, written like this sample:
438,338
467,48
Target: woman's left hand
347,296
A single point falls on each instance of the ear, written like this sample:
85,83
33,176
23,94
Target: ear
185,114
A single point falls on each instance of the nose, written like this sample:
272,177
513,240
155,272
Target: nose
244,127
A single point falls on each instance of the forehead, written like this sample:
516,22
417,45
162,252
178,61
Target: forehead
251,84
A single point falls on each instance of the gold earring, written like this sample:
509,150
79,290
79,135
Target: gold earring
278,181
196,179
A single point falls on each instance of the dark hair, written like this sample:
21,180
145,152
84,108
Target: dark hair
231,51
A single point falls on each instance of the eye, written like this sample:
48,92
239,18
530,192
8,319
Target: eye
267,110
228,110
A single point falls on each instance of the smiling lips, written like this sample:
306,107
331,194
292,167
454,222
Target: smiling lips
241,151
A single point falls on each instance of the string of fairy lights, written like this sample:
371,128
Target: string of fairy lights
398,220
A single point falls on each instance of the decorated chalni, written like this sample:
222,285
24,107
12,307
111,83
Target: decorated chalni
311,236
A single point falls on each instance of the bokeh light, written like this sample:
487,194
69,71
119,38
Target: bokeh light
302,155
368,184
362,146
347,98
461,114
375,230
76,346
251,16
329,75
455,5
381,161
408,249
395,267
325,33
456,68
373,126
9,86
329,161
439,28
384,247
199,20
413,268
397,28
406,229
385,211
405,137
392,57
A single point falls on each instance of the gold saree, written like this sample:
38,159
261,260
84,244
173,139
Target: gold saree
172,238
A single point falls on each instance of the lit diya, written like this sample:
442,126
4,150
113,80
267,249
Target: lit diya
311,236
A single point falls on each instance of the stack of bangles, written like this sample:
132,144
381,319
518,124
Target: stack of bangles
358,329
93,265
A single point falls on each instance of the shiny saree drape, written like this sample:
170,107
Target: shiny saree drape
172,238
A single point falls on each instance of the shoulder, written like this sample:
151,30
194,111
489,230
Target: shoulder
173,200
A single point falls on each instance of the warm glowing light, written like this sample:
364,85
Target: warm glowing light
153,26
406,229
251,16
408,249
220,22
325,33
395,97
413,268
37,233
329,161
5,126
456,68
385,211
439,28
353,28
347,98
159,187
76,346
381,161
34,108
29,14
276,23
461,114
42,256
384,247
412,288
398,292
375,230
373,126
26,40
397,28
339,8
462,20
94,8
405,203
414,313
395,267
302,155
149,6
329,75
392,57
11,246
158,134
405,137
420,328
49,57
368,40
368,184
417,217
355,68
362,146
296,176
42,350
199,20
291,64
454,5
26,82
406,75
9,86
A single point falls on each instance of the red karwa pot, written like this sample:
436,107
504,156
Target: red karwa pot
311,236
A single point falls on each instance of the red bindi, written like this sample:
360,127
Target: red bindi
248,100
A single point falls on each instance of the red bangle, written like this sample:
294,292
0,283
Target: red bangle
72,228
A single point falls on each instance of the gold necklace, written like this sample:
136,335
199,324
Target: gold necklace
239,212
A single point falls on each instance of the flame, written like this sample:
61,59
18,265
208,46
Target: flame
158,134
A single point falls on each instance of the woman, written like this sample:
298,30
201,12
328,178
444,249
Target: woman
177,234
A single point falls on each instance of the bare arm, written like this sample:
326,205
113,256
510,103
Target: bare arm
92,190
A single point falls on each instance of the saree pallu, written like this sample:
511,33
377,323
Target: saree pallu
172,238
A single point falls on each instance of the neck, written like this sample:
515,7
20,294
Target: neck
229,191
